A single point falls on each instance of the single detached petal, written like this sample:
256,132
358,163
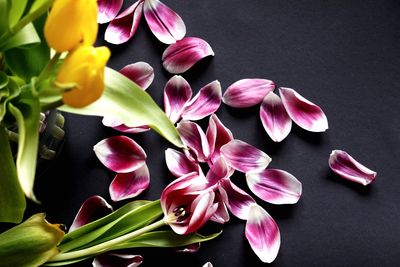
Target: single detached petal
247,92
124,26
117,125
244,157
177,93
208,264
193,136
178,164
217,136
347,167
163,22
274,186
192,248
206,102
262,232
129,185
108,10
182,55
274,117
140,73
303,112
92,209
120,154
120,260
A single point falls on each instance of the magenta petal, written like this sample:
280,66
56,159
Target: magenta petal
194,137
140,73
129,185
247,92
120,154
177,93
262,232
182,55
217,136
206,102
303,112
124,26
192,248
274,117
347,167
274,186
120,260
163,22
92,209
117,125
244,157
221,215
178,164
218,171
108,10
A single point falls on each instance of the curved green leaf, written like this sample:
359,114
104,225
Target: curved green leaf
25,37
6,95
16,11
4,9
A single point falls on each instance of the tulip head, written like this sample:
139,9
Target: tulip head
71,23
83,67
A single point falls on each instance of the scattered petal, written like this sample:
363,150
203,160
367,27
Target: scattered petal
262,232
303,112
274,117
218,171
177,93
182,55
120,154
140,73
208,264
108,10
194,137
117,125
192,248
244,157
163,22
124,26
114,259
347,167
221,215
274,186
178,164
217,136
247,92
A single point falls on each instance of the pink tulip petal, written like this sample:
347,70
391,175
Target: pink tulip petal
120,260
206,102
274,186
217,136
120,154
178,164
347,167
163,22
244,157
208,264
108,10
129,185
263,234
177,93
124,26
247,92
218,171
92,209
202,209
192,248
274,118
303,112
237,200
117,125
194,137
182,55
140,73
221,215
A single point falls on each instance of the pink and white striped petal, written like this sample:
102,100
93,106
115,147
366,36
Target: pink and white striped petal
263,234
177,92
247,92
221,215
108,10
117,125
217,136
192,248
274,186
208,264
140,73
92,209
237,200
117,259
124,26
193,137
347,167
244,157
182,55
178,164
219,170
204,103
120,154
274,117
304,113
163,22
129,185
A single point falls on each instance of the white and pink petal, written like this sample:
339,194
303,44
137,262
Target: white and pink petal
140,73
108,10
178,164
217,135
177,92
117,125
195,139
117,259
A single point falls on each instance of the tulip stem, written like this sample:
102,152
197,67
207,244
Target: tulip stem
49,68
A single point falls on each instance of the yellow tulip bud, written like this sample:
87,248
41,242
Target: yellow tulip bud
84,67
71,22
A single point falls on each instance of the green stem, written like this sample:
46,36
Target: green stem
52,105
106,246
49,68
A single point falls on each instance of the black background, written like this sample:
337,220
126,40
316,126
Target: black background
341,55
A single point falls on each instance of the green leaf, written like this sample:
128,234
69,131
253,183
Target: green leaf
29,244
26,37
4,9
16,11
39,5
12,199
125,101
7,94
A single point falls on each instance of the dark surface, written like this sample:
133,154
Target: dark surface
342,55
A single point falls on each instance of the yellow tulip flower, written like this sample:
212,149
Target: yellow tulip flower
70,23
84,67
